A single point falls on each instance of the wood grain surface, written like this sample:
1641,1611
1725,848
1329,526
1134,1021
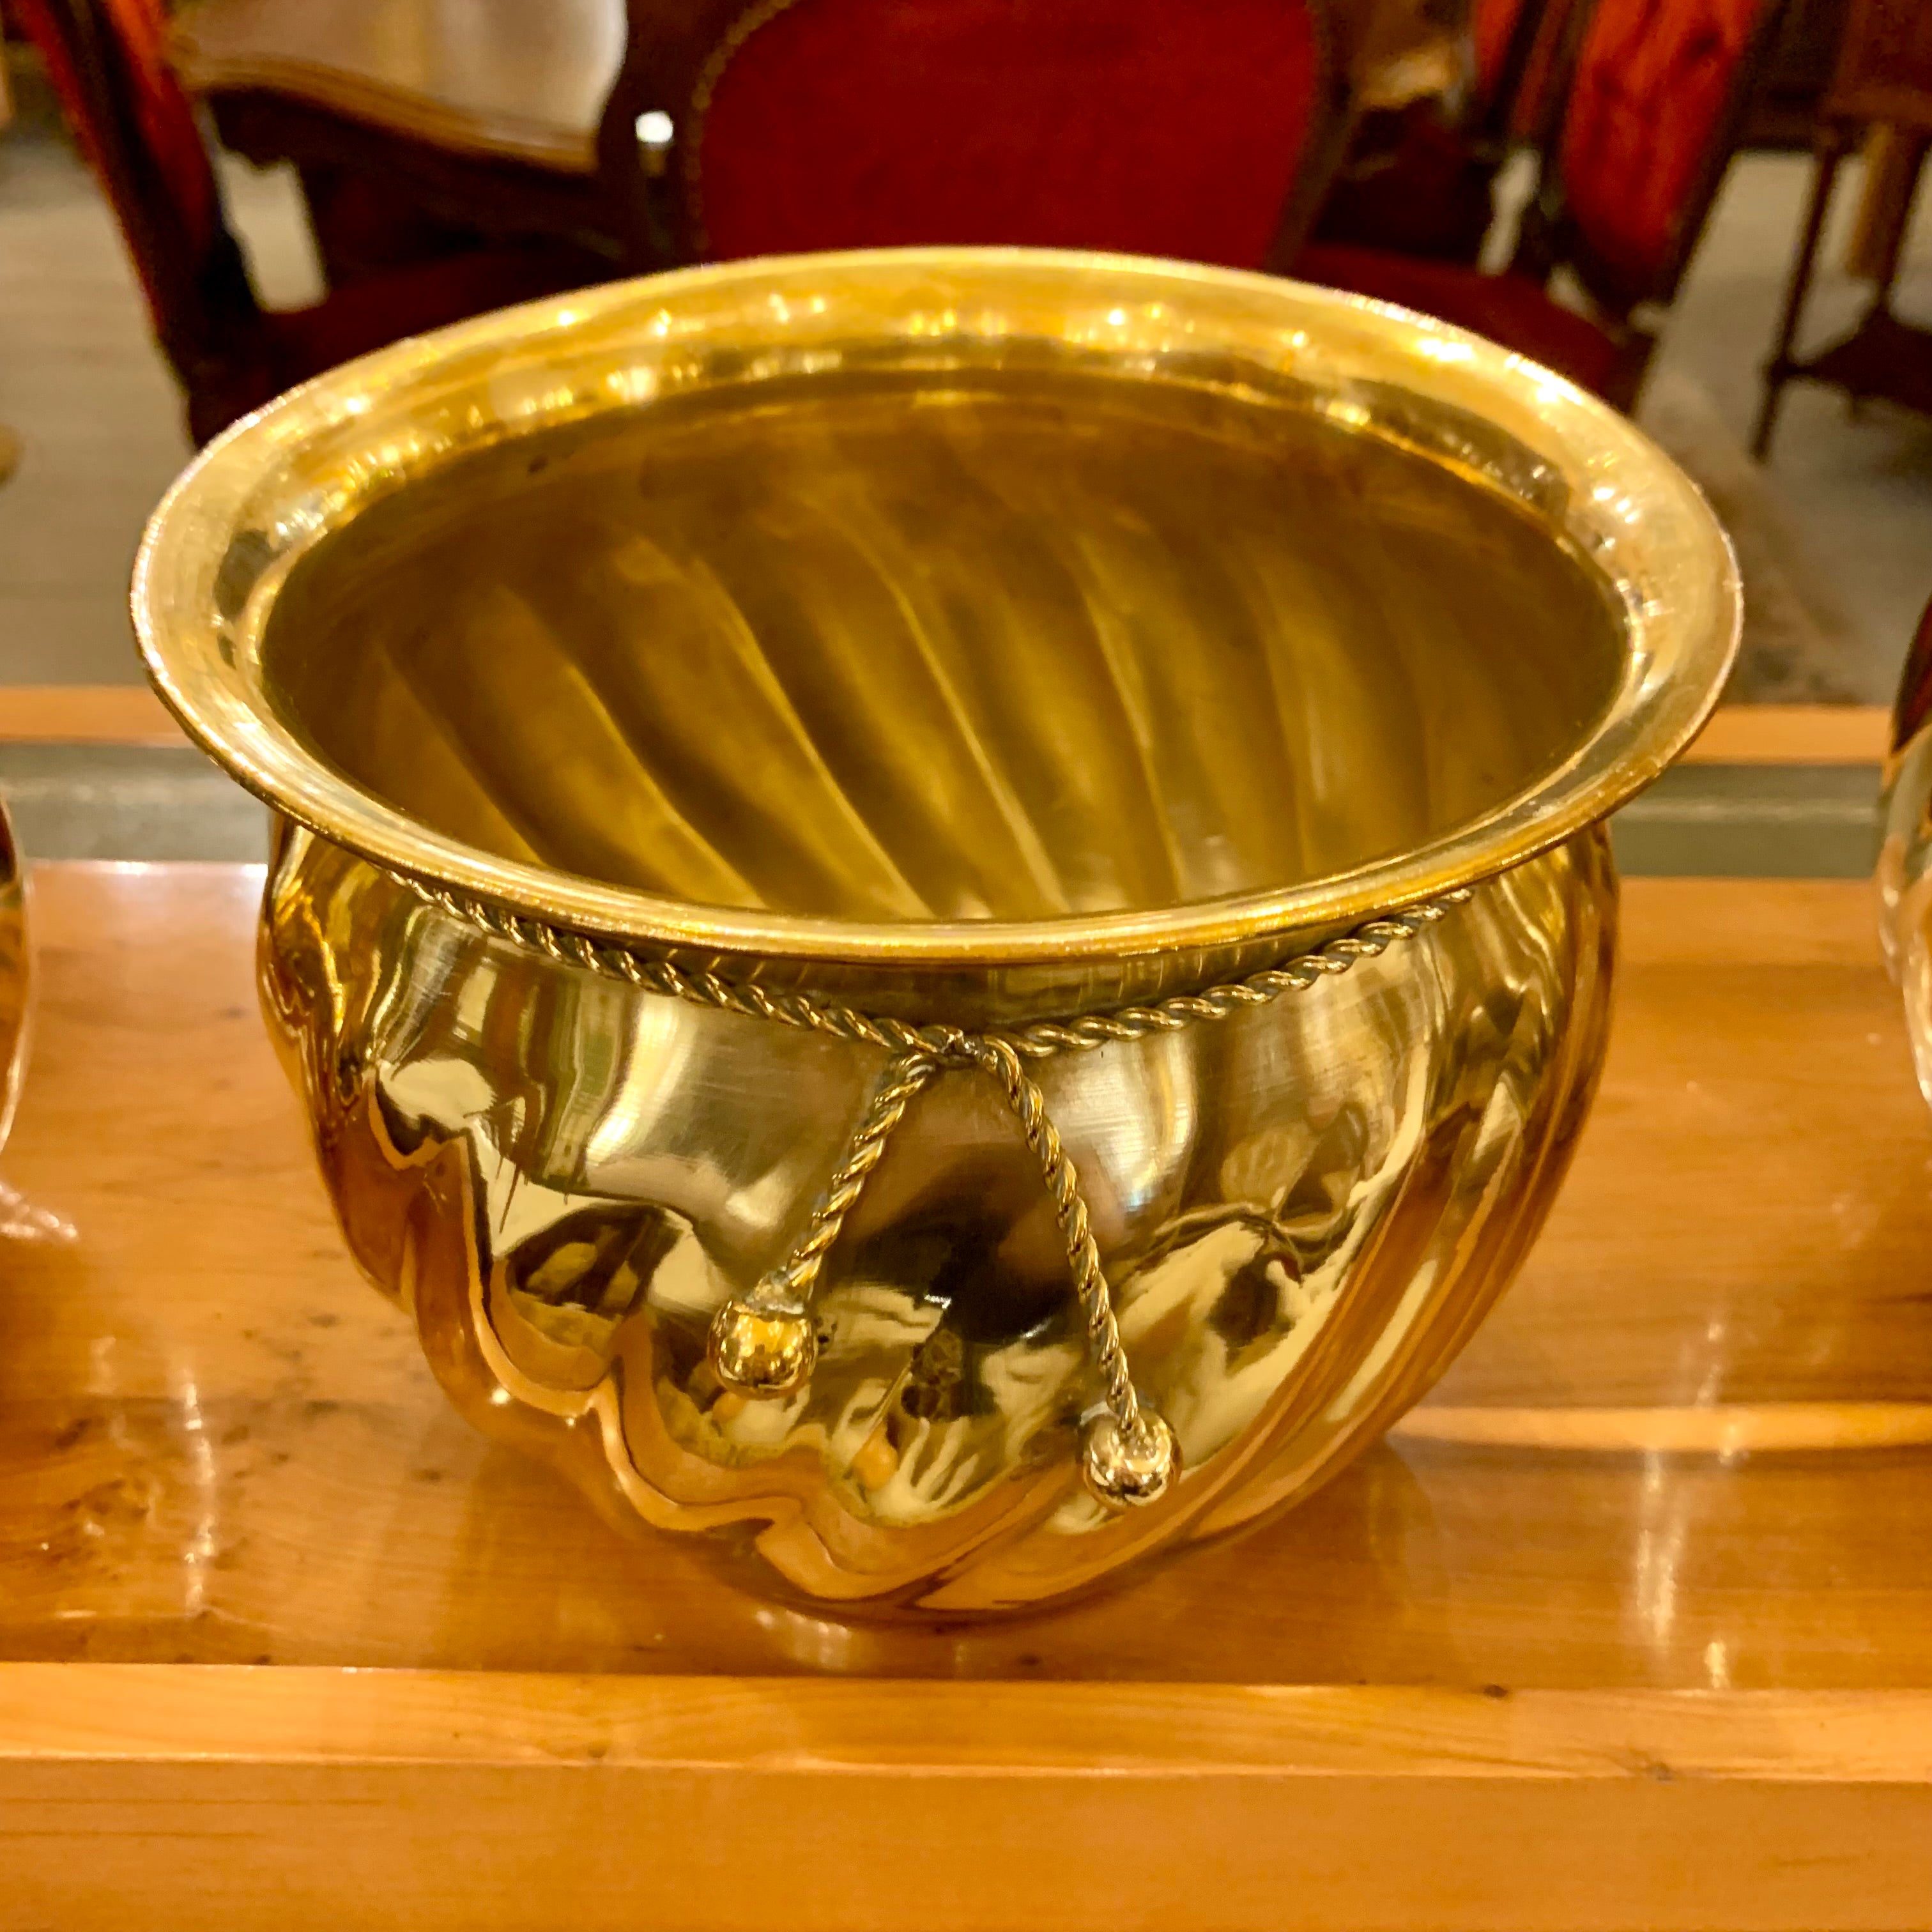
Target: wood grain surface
1688,1448
1737,734
1630,1625
1793,734
303,1798
84,714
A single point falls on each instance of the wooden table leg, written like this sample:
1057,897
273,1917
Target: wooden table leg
1830,155
1895,158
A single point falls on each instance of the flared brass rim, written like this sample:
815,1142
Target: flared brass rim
1672,568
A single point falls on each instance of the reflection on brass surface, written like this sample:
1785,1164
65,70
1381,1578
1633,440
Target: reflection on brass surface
13,975
943,650
993,647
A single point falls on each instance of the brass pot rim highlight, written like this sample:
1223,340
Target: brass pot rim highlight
313,456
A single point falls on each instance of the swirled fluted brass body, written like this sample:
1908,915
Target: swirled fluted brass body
840,916
1305,1209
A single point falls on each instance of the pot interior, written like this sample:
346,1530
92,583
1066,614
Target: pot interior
905,645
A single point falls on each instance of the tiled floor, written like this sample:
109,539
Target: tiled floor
97,412
1860,489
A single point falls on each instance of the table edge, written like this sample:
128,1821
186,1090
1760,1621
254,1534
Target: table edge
817,1727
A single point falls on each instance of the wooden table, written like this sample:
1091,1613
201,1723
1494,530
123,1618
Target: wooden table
1631,1625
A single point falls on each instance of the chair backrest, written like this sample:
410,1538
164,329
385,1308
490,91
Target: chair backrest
1503,37
137,129
1884,65
1204,131
1655,102
1525,55
1494,26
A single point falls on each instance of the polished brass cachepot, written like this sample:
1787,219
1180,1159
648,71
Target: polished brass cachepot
945,910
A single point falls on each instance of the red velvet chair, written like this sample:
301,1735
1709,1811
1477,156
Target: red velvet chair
1206,130
136,125
1651,116
1525,52
1499,29
1421,179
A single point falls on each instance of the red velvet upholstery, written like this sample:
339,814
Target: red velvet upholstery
172,155
1654,84
1492,25
1509,309
1144,125
166,116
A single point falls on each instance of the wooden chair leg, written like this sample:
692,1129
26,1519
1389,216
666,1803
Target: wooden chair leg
1830,154
1329,141
1894,158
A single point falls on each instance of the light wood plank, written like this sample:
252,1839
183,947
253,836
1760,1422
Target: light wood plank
1793,734
1729,1429
113,1713
481,1802
1739,734
1762,928
84,714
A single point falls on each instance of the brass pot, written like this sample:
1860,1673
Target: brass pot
944,910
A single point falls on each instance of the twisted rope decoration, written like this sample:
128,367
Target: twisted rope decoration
1069,1207
952,1045
765,1343
794,1281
